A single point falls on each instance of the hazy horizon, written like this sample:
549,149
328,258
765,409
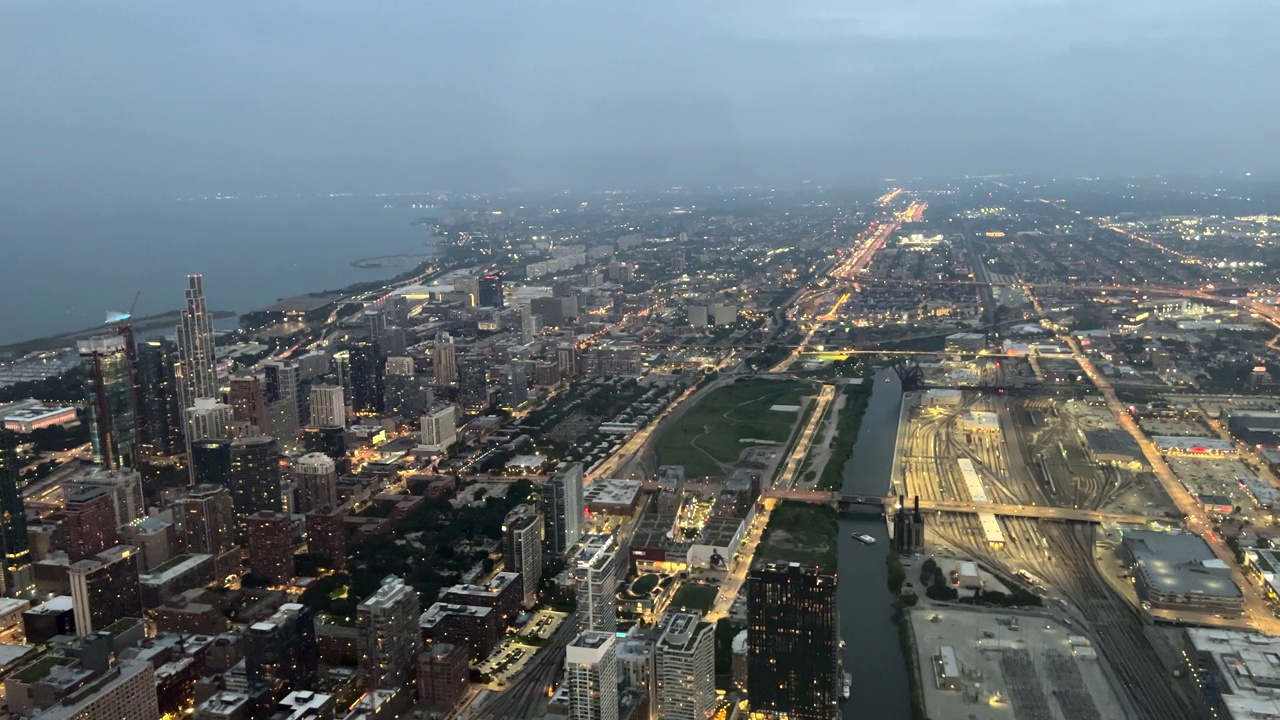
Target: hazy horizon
136,100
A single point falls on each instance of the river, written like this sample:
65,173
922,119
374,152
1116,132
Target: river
873,653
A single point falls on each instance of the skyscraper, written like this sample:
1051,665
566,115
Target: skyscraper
685,668
208,419
387,635
594,564
13,519
104,588
591,670
197,367
328,406
366,378
515,384
315,478
522,549
110,394
490,294
159,414
445,358
255,476
271,547
562,509
473,382
327,536
210,462
792,644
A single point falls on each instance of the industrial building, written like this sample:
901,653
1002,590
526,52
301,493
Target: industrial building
1178,571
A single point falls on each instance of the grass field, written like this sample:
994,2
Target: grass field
696,597
800,532
708,433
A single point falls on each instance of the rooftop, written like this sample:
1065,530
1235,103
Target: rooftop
1179,563
1248,663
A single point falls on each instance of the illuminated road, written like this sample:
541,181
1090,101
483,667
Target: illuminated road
1044,512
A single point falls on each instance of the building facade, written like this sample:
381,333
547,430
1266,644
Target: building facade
792,642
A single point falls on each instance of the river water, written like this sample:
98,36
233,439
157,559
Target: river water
873,653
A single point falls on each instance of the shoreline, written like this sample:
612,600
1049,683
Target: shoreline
141,325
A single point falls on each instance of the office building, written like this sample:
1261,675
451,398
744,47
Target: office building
48,620
104,588
591,673
13,519
366,378
328,439
208,419
439,429
280,653
792,644
248,400
443,677
328,406
89,518
157,541
271,546
327,536
197,370
208,519
110,394
445,359
255,476
159,412
124,692
315,480
282,386
594,563
562,509
522,549
490,291
210,462
685,668
387,636
473,382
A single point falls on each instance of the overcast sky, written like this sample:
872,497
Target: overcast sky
138,99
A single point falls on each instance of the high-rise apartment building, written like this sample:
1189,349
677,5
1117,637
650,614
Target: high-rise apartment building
13,519
594,563
567,359
282,385
159,414
439,429
562,509
208,519
515,384
328,406
792,642
210,462
208,419
443,677
315,479
591,670
271,546
104,588
366,378
126,691
327,536
89,518
197,367
280,653
124,486
522,549
248,400
111,397
387,637
445,359
685,668
255,476
473,381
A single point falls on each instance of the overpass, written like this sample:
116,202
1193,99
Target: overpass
844,502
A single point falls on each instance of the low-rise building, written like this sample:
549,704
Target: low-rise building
1178,571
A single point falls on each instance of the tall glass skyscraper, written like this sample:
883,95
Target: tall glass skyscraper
109,391
159,416
13,518
197,369
792,643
